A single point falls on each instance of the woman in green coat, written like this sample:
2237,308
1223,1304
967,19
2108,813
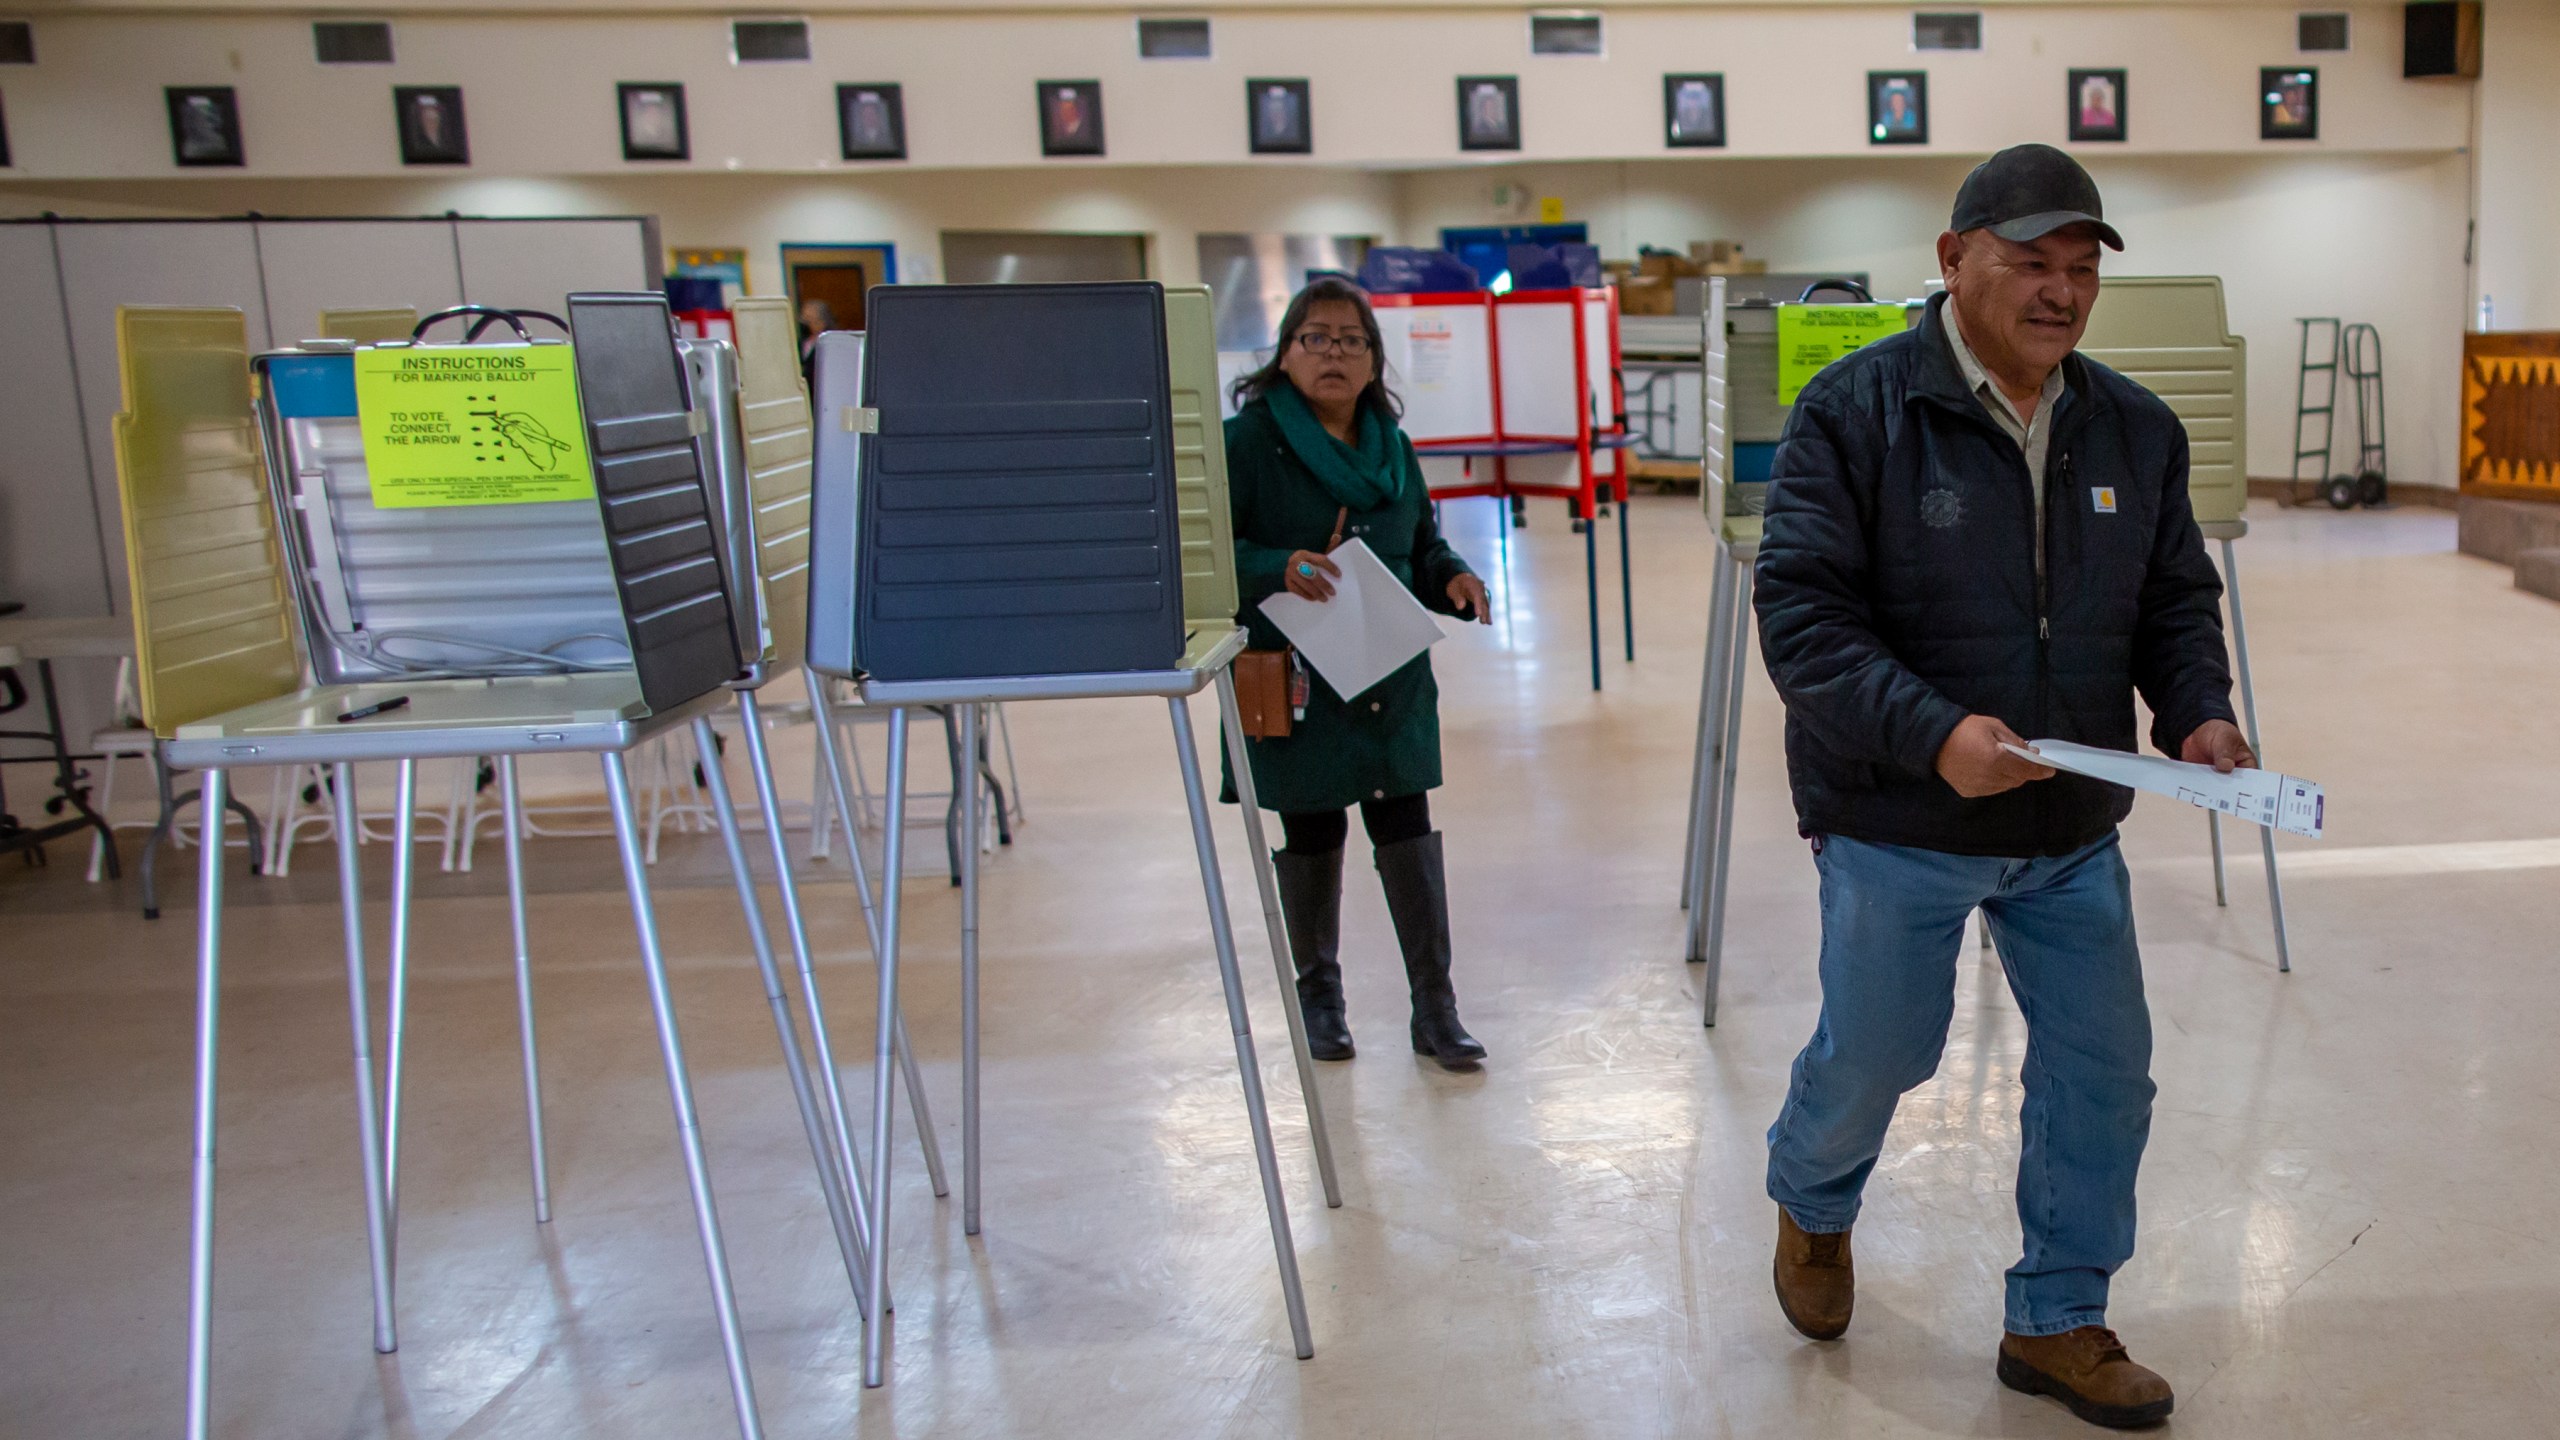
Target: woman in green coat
1313,454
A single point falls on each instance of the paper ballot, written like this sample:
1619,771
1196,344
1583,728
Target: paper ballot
2261,797
1366,632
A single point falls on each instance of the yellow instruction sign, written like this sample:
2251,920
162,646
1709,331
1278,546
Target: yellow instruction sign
1812,336
472,425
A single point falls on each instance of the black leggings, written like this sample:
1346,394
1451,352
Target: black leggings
1320,832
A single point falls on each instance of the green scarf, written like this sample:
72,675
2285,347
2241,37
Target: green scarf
1362,479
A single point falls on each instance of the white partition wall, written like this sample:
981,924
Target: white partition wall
534,264
316,265
61,282
53,556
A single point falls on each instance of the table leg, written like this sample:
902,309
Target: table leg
964,778
404,835
67,778
2249,711
377,1208
883,1075
1283,966
1591,585
1257,1115
1737,652
1626,574
768,795
795,1065
512,804
200,1210
706,1214
841,794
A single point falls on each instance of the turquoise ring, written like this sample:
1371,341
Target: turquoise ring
1305,569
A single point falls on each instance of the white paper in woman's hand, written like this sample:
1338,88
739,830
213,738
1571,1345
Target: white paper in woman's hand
1370,629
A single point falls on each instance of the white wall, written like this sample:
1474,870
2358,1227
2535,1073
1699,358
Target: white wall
2374,237
540,88
2518,186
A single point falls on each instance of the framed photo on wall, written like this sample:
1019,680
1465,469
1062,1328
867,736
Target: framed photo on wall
1693,111
1488,112
653,125
1277,117
1070,117
871,122
1897,107
2289,103
204,125
2097,104
431,129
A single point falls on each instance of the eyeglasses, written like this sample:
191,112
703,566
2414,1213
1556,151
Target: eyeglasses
1316,342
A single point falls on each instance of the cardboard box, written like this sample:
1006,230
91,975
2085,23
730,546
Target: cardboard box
1717,252
1647,295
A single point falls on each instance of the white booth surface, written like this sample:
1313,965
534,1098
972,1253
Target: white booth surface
1539,358
1439,354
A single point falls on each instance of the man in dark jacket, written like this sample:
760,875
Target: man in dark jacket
1975,535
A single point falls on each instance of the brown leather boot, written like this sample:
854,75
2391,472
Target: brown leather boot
2087,1370
1816,1284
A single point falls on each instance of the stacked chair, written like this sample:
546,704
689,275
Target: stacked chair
274,602
1021,495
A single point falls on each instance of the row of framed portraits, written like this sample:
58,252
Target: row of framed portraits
204,121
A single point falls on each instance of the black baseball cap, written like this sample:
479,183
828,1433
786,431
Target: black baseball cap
2027,192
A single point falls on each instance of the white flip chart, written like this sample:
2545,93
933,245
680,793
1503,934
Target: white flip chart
2261,797
1369,630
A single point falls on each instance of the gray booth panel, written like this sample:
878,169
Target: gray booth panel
658,518
54,535
1018,508
835,499
316,265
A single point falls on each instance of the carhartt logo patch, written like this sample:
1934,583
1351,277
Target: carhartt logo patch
1941,509
2102,498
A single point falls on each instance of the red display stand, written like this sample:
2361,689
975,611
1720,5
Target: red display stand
1554,400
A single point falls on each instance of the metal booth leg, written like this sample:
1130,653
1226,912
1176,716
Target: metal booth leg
841,793
1591,582
1626,575
875,1336
404,834
1737,651
1705,766
794,1063
200,1211
511,804
965,780
377,1203
768,796
2249,712
1257,1116
1286,969
715,1255
2213,832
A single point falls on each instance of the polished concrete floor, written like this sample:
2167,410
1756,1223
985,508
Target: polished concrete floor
2350,1214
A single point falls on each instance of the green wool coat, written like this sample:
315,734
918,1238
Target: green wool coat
1385,742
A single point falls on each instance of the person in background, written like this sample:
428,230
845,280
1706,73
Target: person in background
816,318
1972,535
1314,457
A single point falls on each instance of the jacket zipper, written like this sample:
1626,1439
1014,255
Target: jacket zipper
2044,624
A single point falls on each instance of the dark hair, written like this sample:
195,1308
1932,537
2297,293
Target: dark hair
1319,290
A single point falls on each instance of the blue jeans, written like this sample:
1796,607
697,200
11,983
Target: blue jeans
1892,923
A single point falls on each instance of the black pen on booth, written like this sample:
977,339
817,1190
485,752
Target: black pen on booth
378,707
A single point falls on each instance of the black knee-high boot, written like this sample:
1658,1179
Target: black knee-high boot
1311,907
1417,886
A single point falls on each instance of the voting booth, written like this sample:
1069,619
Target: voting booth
436,547
1017,495
2167,334
1515,395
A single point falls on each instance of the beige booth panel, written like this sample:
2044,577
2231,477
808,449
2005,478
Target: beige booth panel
2168,334
212,628
368,327
773,409
1209,593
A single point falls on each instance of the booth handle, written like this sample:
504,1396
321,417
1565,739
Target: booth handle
489,315
1848,286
